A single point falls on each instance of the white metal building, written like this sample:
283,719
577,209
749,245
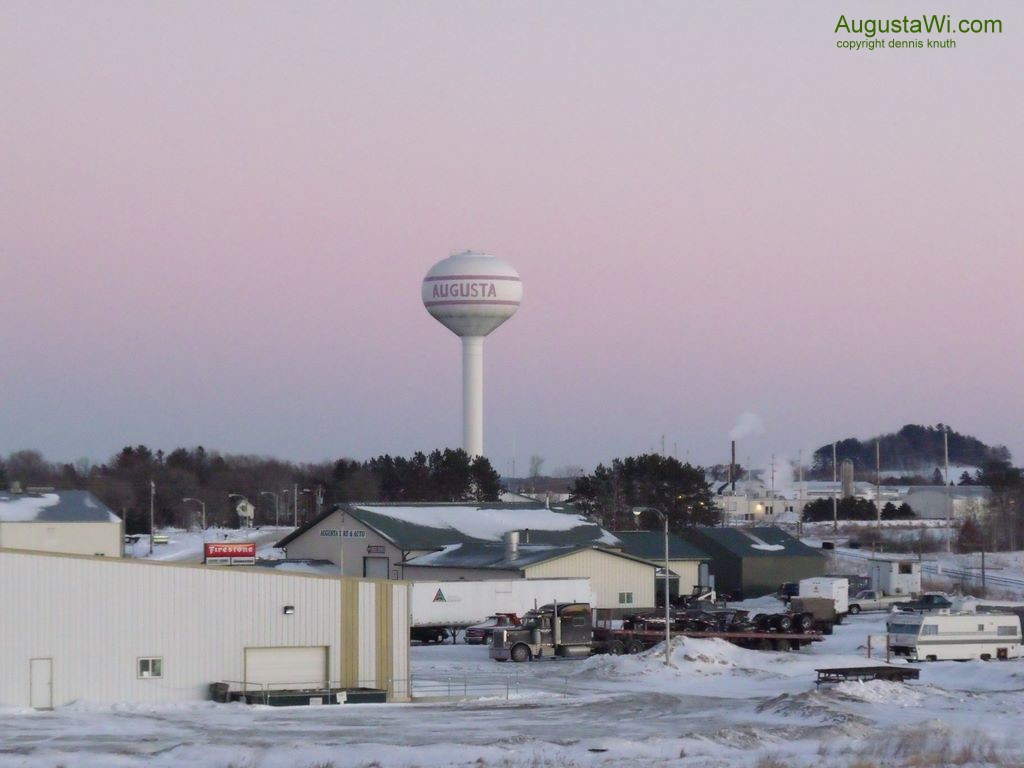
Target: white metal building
74,522
115,630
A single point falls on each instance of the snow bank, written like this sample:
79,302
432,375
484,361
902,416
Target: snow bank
882,692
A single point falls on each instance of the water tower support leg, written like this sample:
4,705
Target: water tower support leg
473,395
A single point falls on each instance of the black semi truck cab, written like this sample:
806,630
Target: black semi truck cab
556,629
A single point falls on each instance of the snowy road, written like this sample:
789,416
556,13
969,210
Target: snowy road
719,706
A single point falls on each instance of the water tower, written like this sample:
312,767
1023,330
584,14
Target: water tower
471,294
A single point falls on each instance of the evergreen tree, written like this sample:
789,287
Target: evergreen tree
651,480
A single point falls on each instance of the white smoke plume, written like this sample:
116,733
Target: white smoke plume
747,424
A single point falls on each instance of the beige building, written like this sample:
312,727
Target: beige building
113,630
620,583
72,522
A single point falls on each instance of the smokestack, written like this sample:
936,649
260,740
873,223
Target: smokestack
511,545
732,468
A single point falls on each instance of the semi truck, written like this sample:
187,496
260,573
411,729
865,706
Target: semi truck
567,631
442,609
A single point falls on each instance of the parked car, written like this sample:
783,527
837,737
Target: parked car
873,600
480,634
929,601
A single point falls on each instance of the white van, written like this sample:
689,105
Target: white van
954,636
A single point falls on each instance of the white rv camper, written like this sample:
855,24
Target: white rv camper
954,636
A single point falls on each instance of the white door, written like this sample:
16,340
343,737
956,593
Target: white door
41,683
375,567
298,667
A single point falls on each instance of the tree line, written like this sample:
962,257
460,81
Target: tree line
853,508
279,489
914,447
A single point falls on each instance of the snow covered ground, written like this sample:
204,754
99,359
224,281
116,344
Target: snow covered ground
719,705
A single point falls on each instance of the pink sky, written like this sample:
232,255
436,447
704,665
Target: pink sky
215,217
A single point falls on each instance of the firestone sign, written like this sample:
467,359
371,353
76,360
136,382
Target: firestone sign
230,553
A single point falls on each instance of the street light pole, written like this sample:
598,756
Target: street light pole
637,511
277,507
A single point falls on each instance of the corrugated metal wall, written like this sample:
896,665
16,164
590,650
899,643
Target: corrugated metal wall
95,617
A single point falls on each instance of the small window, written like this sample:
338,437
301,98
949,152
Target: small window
1008,631
153,667
625,598
981,627
930,629
906,568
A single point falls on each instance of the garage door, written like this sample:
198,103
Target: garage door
375,567
292,667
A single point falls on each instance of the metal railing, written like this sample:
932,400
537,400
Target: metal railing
452,687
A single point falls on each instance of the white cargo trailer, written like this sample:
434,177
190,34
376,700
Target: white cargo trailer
954,636
442,607
837,590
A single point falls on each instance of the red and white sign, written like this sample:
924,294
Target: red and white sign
230,553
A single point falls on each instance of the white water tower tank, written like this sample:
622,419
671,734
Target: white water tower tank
471,294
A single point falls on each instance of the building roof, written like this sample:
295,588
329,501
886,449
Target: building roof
494,556
54,507
432,526
650,545
767,541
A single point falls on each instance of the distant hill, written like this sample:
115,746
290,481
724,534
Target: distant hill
914,448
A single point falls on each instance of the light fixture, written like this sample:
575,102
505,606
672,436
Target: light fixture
289,610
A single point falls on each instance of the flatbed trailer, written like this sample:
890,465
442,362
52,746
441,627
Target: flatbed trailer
618,641
841,674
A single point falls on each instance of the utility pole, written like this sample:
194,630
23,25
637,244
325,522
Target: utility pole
152,504
949,530
878,481
835,491
295,503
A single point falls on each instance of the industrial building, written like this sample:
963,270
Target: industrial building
750,562
374,540
104,629
72,522
684,559
479,541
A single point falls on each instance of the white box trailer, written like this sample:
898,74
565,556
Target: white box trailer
442,607
954,636
837,590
